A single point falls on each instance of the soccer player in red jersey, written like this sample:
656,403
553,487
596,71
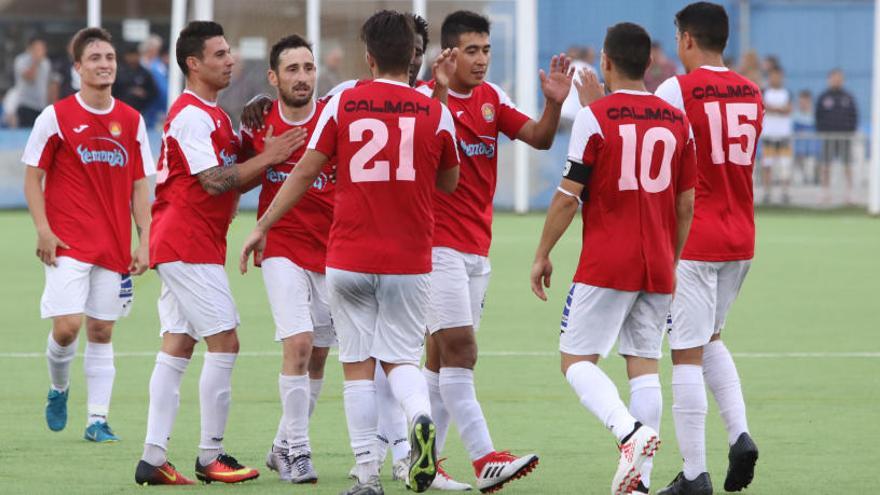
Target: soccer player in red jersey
632,165
93,154
396,146
294,258
726,111
463,233
197,191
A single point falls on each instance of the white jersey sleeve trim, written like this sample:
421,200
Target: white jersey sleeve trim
426,90
45,127
192,129
448,124
585,126
339,88
328,113
670,92
146,153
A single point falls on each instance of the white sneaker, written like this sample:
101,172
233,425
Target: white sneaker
277,461
443,482
400,470
495,469
302,470
641,445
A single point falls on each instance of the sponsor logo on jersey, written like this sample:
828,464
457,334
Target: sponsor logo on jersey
115,129
116,157
227,159
477,149
488,111
277,177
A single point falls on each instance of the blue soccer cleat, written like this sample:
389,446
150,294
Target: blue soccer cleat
100,432
56,410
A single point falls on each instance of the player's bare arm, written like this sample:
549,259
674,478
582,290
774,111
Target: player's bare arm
561,212
47,241
218,180
295,186
588,87
555,85
140,211
684,215
447,179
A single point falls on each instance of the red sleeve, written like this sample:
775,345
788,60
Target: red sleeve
591,150
687,169
449,153
324,137
47,157
510,120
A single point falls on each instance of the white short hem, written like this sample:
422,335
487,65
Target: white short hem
455,324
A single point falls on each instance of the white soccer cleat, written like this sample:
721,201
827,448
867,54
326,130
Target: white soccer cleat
400,470
278,461
494,470
444,483
642,443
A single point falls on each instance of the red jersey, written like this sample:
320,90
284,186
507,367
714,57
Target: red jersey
91,158
301,234
189,224
642,157
464,218
726,112
390,141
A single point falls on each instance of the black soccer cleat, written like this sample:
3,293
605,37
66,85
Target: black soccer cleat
742,458
701,485
423,454
640,489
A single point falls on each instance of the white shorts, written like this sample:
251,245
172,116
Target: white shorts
74,287
706,290
195,300
458,289
378,316
298,298
595,318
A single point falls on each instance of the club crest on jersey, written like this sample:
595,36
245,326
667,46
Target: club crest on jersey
116,157
228,160
488,111
115,129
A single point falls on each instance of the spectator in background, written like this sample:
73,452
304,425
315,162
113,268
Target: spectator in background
330,73
32,73
750,68
777,134
65,77
836,113
151,59
661,68
248,79
806,151
134,84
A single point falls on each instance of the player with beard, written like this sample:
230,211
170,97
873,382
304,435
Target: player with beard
293,260
197,190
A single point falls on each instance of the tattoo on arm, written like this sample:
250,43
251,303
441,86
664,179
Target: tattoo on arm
218,180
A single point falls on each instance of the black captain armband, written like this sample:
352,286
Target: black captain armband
577,172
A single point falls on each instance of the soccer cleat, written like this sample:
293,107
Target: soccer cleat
444,482
423,456
701,485
225,469
741,468
100,432
278,461
641,489
56,409
302,470
641,444
371,487
166,474
400,470
495,469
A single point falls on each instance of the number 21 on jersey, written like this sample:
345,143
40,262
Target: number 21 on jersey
381,169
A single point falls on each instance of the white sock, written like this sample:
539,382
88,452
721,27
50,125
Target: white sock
439,413
98,365
215,397
293,428
721,376
359,397
59,358
599,395
460,397
409,388
164,402
646,405
315,385
689,405
392,419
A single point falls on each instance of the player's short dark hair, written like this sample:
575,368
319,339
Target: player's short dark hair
191,42
421,27
707,23
628,46
390,39
87,36
286,43
459,23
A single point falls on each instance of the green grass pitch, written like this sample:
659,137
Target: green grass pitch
809,306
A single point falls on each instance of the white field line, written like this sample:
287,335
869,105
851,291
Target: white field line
738,355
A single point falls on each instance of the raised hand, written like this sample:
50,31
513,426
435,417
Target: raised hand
444,66
254,114
557,84
588,87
